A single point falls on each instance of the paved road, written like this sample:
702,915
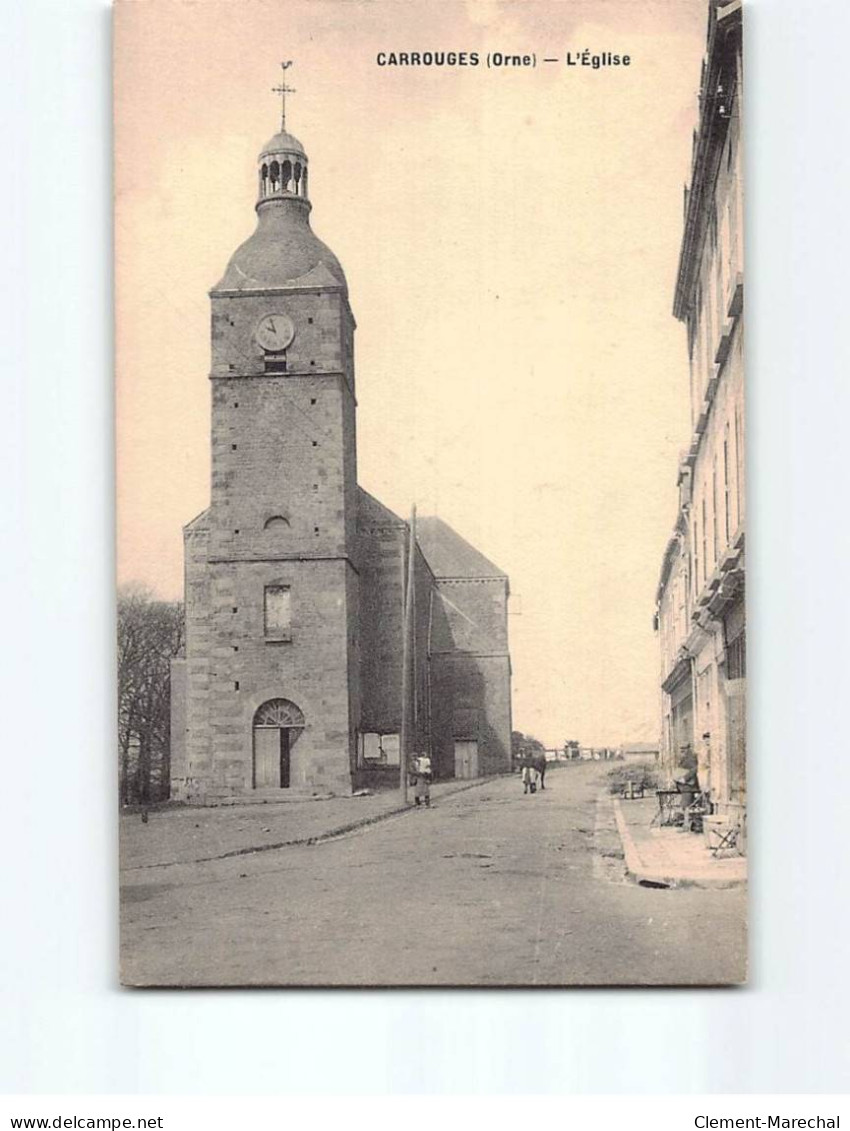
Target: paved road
487,888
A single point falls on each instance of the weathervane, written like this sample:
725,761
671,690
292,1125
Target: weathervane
283,90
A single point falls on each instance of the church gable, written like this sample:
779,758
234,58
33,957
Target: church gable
372,514
449,555
469,616
199,524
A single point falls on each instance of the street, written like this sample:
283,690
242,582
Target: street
489,887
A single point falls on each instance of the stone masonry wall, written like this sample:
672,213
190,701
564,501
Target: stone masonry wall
470,672
382,608
312,669
470,698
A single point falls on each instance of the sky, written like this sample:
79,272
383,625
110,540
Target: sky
510,238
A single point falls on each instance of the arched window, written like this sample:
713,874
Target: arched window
286,175
274,173
279,713
297,177
264,179
276,522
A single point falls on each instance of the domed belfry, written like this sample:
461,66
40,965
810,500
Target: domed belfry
295,577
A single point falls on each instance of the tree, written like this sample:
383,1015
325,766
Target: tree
524,746
150,635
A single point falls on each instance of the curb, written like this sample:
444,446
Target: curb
641,872
318,838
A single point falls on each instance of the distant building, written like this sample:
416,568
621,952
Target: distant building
700,613
295,576
639,751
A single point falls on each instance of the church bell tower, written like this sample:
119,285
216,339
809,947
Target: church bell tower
272,665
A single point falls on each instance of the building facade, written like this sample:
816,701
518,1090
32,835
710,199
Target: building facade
295,578
700,613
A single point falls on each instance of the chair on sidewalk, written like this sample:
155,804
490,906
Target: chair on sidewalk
725,838
668,807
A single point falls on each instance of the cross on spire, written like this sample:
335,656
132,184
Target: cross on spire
283,90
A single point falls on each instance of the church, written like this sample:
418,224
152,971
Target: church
297,579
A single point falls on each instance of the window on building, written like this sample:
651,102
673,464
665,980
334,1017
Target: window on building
278,612
696,555
681,607
699,347
704,541
739,466
714,516
736,657
276,364
727,502
693,358
710,344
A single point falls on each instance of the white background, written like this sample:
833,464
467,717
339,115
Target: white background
65,1025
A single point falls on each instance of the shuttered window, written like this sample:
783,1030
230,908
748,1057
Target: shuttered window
278,612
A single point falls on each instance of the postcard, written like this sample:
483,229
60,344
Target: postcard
431,493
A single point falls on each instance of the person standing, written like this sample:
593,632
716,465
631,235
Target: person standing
525,775
422,780
530,776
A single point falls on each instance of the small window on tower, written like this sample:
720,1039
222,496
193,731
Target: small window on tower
278,612
276,364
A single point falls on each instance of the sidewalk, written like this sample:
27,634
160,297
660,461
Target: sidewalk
194,835
669,856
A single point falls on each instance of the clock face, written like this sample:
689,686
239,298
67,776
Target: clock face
274,332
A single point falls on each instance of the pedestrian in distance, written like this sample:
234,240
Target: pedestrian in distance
529,776
525,776
422,780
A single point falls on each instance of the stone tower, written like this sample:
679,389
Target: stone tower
271,688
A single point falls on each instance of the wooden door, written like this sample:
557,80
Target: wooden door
267,758
284,758
466,759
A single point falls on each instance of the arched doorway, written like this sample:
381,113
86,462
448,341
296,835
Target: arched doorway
277,725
